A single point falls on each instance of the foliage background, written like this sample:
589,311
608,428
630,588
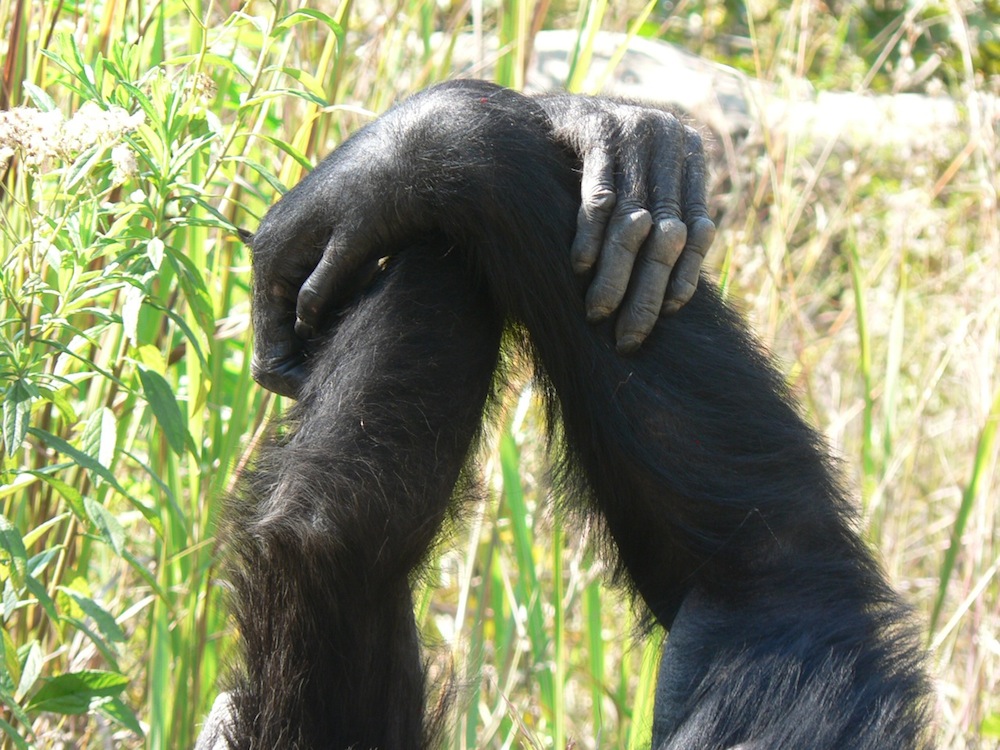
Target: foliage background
157,128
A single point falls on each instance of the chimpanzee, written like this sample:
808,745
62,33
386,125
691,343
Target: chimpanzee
724,510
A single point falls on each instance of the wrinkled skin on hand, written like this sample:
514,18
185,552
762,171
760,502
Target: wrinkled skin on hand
642,232
643,220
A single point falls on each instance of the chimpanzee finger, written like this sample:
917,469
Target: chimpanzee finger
624,236
626,231
666,239
649,284
684,281
598,199
700,228
278,354
345,254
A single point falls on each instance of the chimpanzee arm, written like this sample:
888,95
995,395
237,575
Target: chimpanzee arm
723,507
725,510
376,192
325,530
643,218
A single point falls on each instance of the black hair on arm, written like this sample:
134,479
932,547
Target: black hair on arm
725,512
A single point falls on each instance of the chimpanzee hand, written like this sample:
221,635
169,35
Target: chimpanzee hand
643,219
643,210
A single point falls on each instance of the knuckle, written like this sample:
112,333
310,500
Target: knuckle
673,231
629,228
599,202
258,368
670,204
598,122
694,141
277,374
606,126
701,234
634,217
663,126
663,249
653,120
279,289
634,326
644,125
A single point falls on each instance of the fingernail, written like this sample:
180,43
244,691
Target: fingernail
670,307
597,314
628,344
302,329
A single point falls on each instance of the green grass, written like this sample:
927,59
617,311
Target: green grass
127,403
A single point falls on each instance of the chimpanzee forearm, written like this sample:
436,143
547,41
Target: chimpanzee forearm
326,530
722,502
723,506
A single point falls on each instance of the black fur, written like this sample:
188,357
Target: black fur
721,503
334,516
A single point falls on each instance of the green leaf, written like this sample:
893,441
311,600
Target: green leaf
121,714
84,164
261,170
195,291
19,742
151,358
107,525
76,692
100,437
68,492
144,102
288,148
258,22
84,459
312,84
38,563
981,467
131,307
264,96
154,251
31,669
87,462
10,661
990,728
42,100
16,416
10,604
161,400
42,595
41,530
307,14
104,620
12,543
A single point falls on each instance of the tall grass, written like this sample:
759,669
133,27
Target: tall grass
156,130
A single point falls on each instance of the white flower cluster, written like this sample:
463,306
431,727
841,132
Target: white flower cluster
39,135
123,159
